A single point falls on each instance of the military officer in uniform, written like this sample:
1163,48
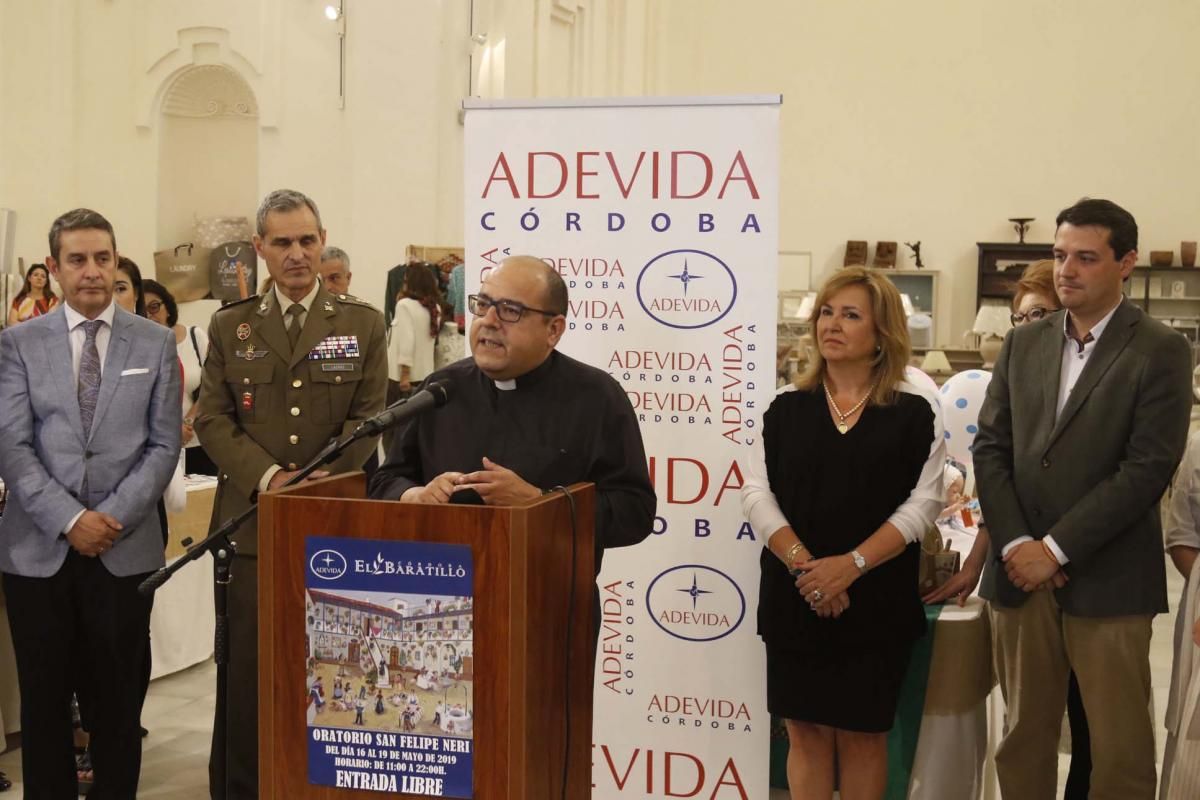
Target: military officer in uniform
286,371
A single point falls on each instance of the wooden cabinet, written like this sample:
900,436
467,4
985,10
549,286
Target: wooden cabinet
1169,294
1000,267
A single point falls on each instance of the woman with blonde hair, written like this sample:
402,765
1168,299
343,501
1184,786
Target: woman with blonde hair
848,476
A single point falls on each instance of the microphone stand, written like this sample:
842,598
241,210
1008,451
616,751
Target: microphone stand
223,550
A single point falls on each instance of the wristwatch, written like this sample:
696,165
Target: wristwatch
859,561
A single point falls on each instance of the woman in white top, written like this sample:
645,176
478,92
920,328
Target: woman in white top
192,345
1181,763
414,330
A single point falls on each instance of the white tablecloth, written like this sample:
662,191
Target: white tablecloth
182,623
952,747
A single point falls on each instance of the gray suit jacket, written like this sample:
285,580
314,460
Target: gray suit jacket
129,457
1092,479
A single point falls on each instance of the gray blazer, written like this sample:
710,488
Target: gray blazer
129,458
1093,479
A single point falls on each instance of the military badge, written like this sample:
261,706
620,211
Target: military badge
335,347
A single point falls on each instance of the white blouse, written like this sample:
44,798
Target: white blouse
410,343
192,359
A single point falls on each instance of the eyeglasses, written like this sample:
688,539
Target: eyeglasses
154,306
506,310
1032,315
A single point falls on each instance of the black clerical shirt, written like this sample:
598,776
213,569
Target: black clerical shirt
563,422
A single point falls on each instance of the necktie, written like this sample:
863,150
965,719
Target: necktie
89,375
294,326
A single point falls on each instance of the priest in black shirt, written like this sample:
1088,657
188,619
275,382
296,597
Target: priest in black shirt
523,417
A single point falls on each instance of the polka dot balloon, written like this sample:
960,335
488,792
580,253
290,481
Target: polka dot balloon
962,397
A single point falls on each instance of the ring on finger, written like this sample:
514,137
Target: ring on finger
816,596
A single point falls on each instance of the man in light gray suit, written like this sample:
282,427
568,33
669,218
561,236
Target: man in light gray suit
89,438
1085,420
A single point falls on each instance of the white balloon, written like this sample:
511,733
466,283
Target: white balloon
962,397
918,378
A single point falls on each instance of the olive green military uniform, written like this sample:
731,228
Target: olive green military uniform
264,403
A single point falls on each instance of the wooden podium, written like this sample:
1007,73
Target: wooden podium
526,674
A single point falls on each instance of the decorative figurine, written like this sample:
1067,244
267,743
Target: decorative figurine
1021,226
916,253
885,255
856,254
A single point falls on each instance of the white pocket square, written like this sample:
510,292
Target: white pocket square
135,371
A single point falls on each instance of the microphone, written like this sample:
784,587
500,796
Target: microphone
432,396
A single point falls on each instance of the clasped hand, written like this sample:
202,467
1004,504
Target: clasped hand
497,485
823,583
1030,567
94,533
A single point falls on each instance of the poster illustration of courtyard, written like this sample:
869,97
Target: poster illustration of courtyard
390,665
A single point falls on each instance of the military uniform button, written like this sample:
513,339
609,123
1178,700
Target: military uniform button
296,384
294,439
295,411
246,381
292,466
337,378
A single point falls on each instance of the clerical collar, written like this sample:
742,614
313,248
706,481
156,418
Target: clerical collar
530,378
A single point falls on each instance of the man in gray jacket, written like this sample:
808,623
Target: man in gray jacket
89,438
1085,420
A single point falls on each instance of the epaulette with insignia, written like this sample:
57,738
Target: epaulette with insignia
352,300
235,303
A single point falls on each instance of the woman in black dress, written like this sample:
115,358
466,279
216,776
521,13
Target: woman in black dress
848,479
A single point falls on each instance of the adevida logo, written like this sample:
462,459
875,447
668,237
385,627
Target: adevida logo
686,288
696,603
328,565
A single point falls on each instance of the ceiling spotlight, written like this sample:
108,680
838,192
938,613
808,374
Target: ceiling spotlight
332,13
479,38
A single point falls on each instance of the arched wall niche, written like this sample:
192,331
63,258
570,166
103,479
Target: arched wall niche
207,122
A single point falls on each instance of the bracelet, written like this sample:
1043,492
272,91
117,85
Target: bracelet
1049,552
789,558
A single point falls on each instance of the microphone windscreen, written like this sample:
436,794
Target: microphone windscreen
440,391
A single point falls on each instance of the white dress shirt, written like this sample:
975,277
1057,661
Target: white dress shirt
77,336
1075,357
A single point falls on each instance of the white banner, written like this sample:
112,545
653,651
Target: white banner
662,216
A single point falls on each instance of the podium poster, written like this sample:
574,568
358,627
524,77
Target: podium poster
662,217
390,665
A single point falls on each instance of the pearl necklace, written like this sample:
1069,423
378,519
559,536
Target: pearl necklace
841,424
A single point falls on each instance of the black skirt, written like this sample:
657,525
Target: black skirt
854,690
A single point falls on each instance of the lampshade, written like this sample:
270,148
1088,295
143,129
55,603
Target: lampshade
936,361
806,306
992,320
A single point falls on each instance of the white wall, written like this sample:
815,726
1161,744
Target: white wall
935,120
82,127
939,120
206,168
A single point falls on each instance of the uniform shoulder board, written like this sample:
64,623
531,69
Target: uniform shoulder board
235,303
350,299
